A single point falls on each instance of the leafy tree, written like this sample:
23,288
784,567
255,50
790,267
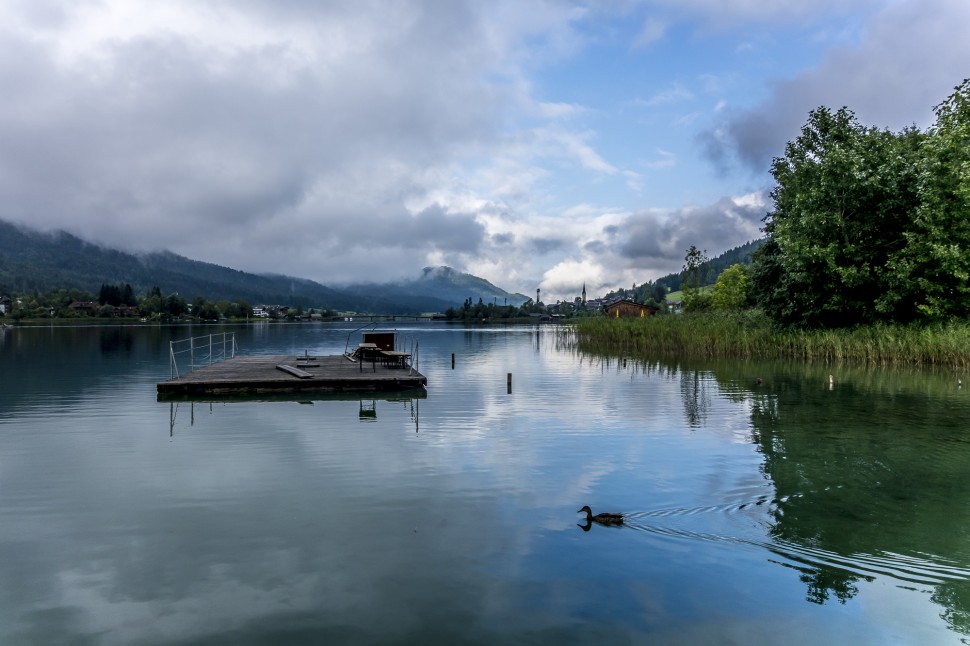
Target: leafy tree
844,197
731,289
174,305
694,299
204,310
931,274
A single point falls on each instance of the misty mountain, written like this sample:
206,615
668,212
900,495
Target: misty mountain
444,284
31,261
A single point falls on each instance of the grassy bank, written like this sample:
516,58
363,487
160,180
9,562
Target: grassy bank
750,335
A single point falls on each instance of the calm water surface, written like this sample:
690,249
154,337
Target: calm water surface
785,512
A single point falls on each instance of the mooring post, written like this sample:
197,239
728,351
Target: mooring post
509,383
452,360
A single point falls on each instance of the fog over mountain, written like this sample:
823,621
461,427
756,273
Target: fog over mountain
34,261
534,144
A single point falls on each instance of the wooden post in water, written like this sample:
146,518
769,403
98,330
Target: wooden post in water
509,383
452,360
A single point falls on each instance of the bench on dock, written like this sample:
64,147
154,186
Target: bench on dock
296,372
396,359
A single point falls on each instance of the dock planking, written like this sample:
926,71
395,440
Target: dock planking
264,374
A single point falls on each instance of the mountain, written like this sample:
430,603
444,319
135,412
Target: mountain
34,261
437,289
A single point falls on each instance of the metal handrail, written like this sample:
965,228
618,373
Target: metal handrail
219,347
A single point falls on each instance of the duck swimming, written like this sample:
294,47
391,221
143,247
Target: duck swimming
602,519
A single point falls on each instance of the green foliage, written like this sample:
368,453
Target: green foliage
870,226
843,197
711,269
731,289
480,311
649,293
117,295
749,334
695,299
932,270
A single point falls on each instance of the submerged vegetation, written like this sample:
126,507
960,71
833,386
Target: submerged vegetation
751,335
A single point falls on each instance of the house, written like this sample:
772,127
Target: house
626,308
6,306
90,307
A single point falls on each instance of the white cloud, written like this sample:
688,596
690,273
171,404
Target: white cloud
274,137
726,13
559,110
652,31
618,249
664,159
677,93
911,56
311,138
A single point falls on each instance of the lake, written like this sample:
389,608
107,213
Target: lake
790,511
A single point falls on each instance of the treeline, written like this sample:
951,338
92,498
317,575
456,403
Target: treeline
710,269
705,273
120,301
866,255
481,311
868,227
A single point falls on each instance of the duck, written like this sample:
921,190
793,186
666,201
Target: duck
602,519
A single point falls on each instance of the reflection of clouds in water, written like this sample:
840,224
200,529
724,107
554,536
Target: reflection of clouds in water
265,516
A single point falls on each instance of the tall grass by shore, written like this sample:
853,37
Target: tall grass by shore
750,335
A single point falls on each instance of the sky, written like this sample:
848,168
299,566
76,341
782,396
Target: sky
535,143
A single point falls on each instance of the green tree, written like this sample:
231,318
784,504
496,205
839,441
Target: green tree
174,305
844,198
931,273
694,298
731,289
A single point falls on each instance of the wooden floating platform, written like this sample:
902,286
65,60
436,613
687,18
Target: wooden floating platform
292,374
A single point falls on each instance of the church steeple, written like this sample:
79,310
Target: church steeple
584,293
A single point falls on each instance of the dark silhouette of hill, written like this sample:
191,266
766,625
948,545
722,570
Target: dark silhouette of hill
34,261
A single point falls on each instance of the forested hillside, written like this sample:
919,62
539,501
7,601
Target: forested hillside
36,262
710,270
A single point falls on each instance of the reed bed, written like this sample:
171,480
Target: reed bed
751,335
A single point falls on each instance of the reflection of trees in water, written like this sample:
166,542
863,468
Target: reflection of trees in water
115,339
694,387
872,468
955,600
825,580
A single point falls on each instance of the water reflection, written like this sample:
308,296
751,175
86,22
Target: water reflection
868,467
367,405
271,520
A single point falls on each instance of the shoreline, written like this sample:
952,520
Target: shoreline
749,335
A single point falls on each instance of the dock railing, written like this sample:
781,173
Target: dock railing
201,351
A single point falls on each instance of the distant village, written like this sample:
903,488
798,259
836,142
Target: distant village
120,303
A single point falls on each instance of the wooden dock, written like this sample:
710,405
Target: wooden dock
293,374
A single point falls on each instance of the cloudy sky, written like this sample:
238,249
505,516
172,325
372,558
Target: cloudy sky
535,143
